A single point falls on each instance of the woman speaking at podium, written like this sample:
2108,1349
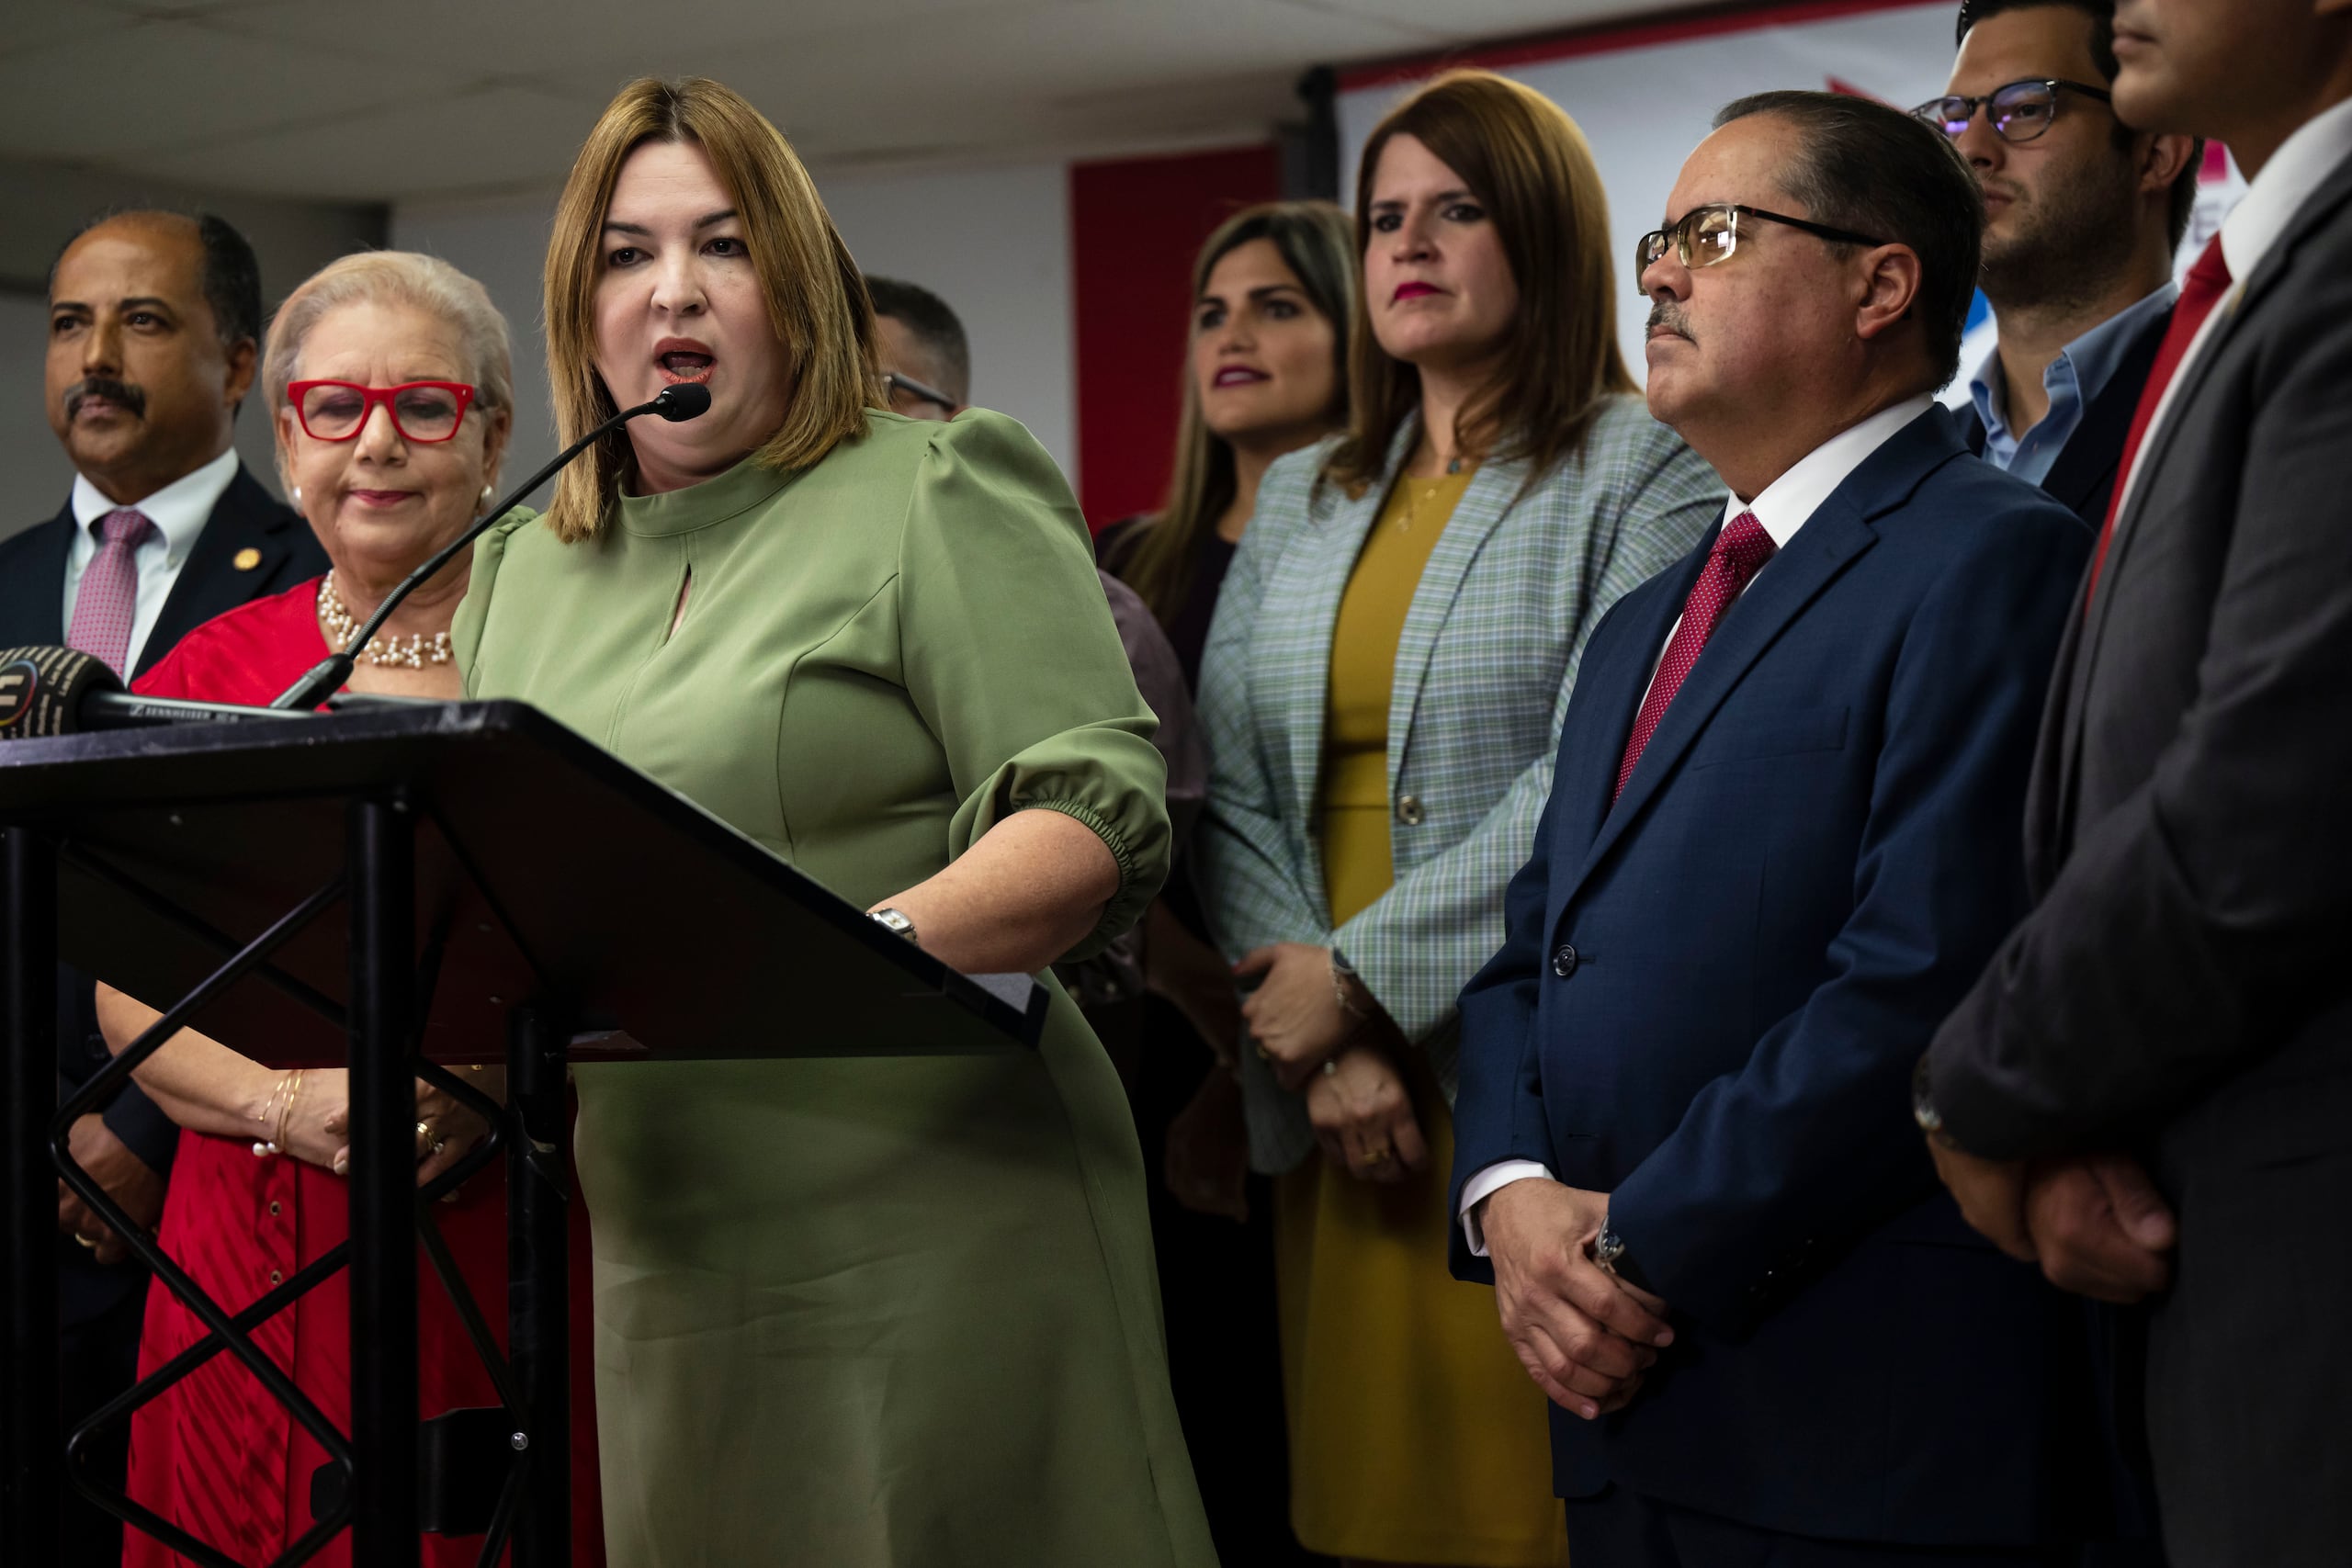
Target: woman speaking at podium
848,1311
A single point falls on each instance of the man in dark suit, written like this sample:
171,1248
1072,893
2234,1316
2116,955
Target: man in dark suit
2083,216
154,326
2178,1007
1758,884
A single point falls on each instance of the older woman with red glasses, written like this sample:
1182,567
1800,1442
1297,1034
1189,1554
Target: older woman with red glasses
388,380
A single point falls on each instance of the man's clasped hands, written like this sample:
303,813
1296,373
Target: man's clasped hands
1585,1335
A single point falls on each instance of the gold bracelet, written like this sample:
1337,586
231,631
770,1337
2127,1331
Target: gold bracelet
285,1111
265,1147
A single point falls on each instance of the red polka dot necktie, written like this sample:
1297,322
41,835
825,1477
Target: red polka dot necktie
1741,550
107,600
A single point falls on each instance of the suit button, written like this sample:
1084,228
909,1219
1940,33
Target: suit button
1408,810
1564,961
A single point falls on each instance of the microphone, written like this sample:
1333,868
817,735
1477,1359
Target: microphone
683,401
62,691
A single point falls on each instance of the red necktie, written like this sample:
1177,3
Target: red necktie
1741,549
2208,280
107,600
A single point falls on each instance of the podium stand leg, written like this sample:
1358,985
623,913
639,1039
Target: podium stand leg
31,1477
539,1175
381,846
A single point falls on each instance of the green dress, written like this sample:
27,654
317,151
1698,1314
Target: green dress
864,1311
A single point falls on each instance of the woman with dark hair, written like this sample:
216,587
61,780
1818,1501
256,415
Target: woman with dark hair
1272,291
1265,374
1383,689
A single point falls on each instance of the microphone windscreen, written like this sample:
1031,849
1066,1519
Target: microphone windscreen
41,690
687,399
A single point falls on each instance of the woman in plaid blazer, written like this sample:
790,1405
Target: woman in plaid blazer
1382,692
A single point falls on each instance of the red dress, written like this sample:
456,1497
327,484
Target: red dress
215,1454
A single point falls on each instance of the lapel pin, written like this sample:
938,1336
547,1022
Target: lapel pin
247,558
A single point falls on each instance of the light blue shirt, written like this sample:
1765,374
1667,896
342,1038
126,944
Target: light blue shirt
2080,373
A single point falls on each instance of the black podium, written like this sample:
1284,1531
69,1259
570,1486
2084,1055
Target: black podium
400,890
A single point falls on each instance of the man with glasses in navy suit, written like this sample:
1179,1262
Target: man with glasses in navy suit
1773,857
155,323
2083,216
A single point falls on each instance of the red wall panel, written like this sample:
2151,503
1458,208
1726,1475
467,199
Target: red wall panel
1136,224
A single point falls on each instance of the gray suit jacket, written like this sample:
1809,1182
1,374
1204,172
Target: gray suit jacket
1488,655
2182,985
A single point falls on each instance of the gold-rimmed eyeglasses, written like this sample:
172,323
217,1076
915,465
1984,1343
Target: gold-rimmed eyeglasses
1705,235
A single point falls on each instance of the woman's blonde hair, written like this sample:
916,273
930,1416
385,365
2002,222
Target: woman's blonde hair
391,277
1313,240
816,297
1527,164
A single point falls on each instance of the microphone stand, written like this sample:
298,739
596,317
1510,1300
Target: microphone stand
684,400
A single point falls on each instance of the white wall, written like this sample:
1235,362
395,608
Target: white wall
993,242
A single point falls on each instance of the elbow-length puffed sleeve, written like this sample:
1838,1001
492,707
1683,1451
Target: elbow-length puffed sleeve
1011,657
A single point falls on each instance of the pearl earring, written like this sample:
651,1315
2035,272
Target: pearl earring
297,495
485,493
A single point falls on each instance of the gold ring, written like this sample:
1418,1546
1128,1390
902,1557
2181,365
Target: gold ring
1264,1055
1376,1156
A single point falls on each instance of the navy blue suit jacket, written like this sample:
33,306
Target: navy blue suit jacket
1712,995
248,526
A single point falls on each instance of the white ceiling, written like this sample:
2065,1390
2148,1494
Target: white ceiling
387,100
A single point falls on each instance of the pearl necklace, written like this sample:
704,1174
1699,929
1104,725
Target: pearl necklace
414,653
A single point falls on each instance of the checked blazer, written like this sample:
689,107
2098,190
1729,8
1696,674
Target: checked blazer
1484,669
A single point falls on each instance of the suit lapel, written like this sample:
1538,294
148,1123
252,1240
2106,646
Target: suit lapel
1609,695
1493,491
247,526
2084,476
32,591
1828,543
1837,534
1305,697
2322,207
2046,828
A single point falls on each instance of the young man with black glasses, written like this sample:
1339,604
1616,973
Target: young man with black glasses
2082,218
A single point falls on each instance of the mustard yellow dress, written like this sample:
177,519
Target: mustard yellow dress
1415,1435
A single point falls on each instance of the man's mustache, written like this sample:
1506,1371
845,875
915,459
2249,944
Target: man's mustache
122,394
1668,313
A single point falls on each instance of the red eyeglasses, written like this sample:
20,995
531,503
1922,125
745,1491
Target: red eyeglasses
423,411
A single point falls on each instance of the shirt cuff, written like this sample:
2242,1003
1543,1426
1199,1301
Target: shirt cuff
1488,1183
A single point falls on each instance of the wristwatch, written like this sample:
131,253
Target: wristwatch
897,924
1923,1107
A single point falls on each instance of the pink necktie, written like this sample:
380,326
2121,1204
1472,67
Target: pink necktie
1740,551
107,600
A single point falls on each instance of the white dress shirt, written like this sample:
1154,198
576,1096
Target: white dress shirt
178,511
1780,508
2303,164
